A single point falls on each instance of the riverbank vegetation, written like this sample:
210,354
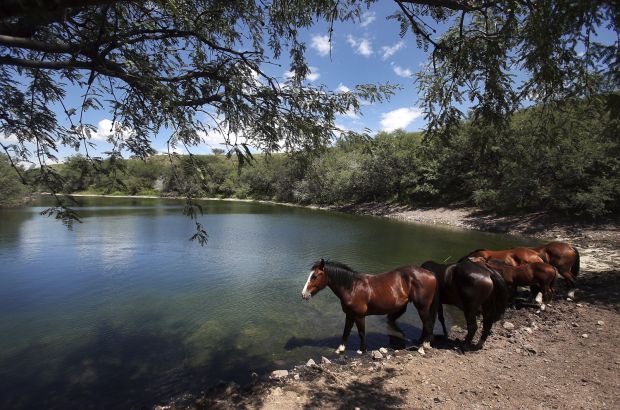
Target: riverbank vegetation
567,164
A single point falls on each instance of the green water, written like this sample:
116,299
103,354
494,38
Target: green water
125,311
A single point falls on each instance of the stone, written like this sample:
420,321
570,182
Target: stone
278,374
296,377
530,349
579,305
574,324
383,350
376,355
585,335
527,330
325,360
600,323
508,326
310,363
231,388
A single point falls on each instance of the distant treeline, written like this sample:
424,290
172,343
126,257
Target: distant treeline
568,163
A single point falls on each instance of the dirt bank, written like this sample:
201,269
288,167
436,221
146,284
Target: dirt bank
566,356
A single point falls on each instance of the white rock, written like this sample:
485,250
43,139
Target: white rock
383,350
508,326
310,363
278,374
325,360
296,377
600,323
528,330
585,335
376,355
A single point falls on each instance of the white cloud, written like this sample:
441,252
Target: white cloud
367,18
351,114
12,138
361,46
321,44
313,74
399,118
342,88
403,72
389,51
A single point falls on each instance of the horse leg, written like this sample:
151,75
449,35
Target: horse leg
442,320
570,281
348,324
487,324
472,326
427,325
360,323
393,316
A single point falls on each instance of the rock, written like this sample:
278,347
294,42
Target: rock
383,350
600,323
421,351
527,330
231,388
585,335
543,307
579,305
325,360
508,326
574,324
376,355
530,349
278,374
296,377
310,363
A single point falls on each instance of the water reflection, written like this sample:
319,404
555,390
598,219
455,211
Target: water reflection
124,309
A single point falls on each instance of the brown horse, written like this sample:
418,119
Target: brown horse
473,288
538,276
386,293
563,256
513,257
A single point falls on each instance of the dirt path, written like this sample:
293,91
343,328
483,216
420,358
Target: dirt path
567,356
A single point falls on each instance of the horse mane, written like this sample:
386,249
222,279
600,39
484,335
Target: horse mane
339,273
464,258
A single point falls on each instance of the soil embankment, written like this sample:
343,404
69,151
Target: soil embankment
565,356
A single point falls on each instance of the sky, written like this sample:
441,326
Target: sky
363,52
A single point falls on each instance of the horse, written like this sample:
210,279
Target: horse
538,276
513,257
562,256
473,288
388,293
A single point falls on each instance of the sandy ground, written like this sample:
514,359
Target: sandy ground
566,356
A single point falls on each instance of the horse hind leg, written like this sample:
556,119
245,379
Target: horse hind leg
472,326
442,320
487,325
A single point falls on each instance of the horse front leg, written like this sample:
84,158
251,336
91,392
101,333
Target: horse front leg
360,323
348,324
442,320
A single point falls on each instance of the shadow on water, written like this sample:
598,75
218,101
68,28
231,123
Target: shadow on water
118,370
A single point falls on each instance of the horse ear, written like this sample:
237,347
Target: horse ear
322,264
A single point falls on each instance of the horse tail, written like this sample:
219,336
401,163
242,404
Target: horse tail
500,295
574,269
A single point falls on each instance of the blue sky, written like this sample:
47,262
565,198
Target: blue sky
368,51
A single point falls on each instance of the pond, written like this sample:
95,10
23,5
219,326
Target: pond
124,311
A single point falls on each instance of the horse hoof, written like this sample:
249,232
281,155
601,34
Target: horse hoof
427,345
571,294
539,298
359,352
340,349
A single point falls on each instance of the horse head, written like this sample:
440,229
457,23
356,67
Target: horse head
317,280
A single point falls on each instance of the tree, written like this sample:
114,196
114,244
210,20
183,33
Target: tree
189,67
12,190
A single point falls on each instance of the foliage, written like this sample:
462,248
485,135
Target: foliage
12,190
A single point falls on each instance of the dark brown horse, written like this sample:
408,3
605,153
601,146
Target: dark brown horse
513,257
563,256
538,276
474,289
386,293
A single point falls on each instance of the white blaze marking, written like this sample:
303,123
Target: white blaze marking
304,293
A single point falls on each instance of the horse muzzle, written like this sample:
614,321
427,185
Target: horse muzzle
306,295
